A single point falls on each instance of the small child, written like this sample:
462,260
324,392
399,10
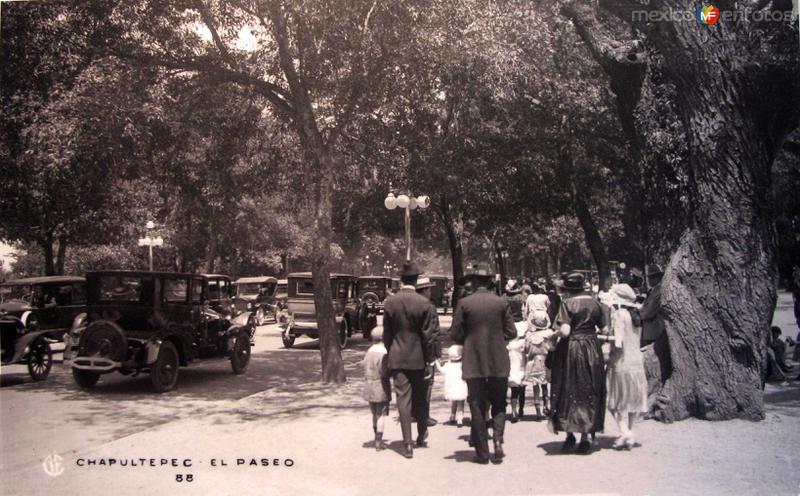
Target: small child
538,342
377,389
516,374
455,389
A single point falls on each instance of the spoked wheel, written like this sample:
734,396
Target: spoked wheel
240,356
40,360
85,379
288,340
164,372
343,331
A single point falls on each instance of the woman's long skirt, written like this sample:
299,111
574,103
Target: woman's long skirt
578,392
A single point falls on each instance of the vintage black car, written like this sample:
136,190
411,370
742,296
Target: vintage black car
34,313
372,291
300,317
139,321
257,295
442,291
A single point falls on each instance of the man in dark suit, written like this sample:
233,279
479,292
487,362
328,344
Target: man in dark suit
409,324
483,324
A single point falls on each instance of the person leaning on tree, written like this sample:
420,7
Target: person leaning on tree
652,320
409,322
483,324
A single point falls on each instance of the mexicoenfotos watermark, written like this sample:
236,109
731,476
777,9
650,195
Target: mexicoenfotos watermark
708,14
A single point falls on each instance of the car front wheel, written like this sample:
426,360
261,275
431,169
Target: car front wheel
85,379
240,356
164,372
40,360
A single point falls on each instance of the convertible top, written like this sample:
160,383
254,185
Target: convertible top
255,279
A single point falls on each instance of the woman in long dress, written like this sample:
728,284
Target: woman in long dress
627,383
578,393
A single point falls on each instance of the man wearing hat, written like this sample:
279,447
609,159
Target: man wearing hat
409,324
482,324
652,320
424,286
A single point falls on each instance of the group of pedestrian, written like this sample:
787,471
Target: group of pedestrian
502,344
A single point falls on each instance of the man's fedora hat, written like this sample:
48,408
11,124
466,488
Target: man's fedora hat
410,269
574,281
654,270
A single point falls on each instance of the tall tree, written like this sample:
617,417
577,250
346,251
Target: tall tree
738,93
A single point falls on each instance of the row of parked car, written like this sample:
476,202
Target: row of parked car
155,322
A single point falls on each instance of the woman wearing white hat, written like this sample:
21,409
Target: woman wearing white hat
627,384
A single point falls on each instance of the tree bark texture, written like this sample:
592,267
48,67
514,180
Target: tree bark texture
718,292
456,249
594,241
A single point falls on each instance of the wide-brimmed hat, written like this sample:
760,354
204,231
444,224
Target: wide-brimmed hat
454,352
512,286
574,281
410,269
424,282
480,269
654,270
623,294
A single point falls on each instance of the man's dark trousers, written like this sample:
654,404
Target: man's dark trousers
411,389
480,391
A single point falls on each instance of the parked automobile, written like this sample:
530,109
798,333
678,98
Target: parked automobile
300,317
257,295
442,291
372,291
34,313
154,322
281,294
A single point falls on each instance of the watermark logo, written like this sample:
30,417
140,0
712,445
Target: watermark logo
53,465
707,14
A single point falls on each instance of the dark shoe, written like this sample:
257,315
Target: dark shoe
422,441
450,422
584,447
432,422
480,461
569,443
408,451
498,451
514,420
379,444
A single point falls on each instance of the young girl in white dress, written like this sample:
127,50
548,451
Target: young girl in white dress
627,384
455,388
538,342
516,374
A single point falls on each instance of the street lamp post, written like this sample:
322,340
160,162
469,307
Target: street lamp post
407,203
150,242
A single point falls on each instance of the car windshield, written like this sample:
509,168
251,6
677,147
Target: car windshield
370,285
16,292
120,288
247,289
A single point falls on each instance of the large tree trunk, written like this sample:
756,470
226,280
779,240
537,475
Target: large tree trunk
593,240
454,243
718,292
46,245
320,167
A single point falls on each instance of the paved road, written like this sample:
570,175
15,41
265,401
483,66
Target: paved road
55,416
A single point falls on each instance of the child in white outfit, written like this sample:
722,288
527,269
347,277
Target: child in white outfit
455,389
538,342
516,374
